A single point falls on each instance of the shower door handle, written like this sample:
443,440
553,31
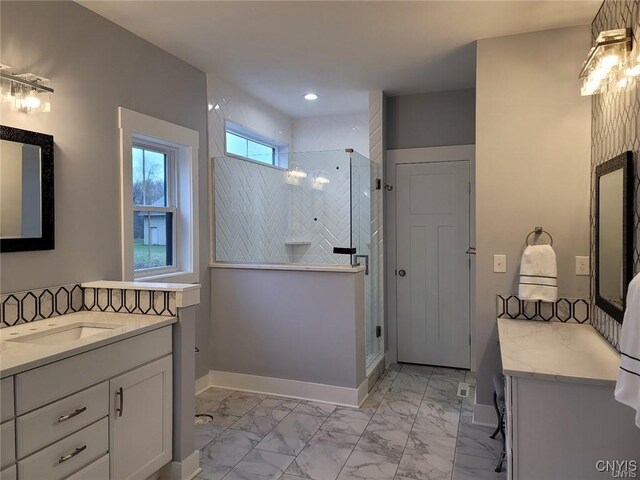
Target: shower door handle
366,262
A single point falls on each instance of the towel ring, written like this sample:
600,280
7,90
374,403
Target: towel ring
538,231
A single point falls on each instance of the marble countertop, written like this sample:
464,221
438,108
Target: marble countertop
563,352
19,356
171,287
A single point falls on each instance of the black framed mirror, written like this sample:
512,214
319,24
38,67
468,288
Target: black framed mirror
27,220
614,233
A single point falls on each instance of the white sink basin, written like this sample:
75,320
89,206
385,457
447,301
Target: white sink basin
64,334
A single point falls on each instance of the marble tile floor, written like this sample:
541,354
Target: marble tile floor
411,427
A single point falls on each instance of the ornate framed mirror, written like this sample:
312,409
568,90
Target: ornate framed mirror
614,233
27,220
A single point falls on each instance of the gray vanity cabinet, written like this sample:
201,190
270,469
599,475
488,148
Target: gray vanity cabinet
140,442
104,414
7,430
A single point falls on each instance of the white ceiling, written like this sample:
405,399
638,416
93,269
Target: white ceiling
279,51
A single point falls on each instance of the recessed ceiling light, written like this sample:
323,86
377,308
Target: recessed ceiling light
311,96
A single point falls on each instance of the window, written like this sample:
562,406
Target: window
154,208
160,223
243,143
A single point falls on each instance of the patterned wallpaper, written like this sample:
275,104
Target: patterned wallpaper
615,128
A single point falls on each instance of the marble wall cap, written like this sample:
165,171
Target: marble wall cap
187,294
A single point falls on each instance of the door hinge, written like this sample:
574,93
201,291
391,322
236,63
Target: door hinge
469,187
378,331
469,339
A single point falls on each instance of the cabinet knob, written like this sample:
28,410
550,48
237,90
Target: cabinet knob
402,273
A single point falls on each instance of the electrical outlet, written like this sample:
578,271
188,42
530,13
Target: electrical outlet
582,266
499,264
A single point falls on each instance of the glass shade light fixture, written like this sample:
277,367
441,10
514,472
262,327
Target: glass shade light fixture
609,65
297,173
26,92
320,180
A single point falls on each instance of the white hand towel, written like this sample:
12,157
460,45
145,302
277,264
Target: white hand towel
538,274
628,385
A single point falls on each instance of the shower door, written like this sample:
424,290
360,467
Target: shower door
362,192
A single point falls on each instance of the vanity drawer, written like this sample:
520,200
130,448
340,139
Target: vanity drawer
68,455
7,410
98,470
48,383
48,424
7,443
9,473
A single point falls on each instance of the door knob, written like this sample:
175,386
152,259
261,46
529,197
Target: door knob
402,273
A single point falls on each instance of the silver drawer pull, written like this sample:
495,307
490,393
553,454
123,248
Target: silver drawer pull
69,456
64,418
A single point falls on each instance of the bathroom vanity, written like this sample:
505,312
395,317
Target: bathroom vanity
562,417
86,396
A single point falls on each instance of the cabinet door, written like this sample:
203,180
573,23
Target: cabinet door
141,421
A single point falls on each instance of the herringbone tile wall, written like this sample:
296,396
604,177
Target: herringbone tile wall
252,212
319,213
264,215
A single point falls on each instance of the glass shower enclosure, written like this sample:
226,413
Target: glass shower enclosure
299,214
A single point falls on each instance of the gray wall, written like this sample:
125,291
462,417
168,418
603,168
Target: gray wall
532,168
94,66
431,119
296,325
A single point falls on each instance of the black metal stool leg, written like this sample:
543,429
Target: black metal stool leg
500,462
495,405
504,442
498,383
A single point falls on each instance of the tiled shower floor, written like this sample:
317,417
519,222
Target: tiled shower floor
412,426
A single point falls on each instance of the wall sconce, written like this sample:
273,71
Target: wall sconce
320,180
609,64
26,92
297,173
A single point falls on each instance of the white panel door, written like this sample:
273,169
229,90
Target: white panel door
141,421
433,267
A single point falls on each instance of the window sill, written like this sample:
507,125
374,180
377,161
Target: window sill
173,277
255,162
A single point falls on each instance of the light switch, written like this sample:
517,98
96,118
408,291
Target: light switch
499,264
582,266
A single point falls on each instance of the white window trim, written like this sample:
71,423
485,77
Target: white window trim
171,199
137,126
280,153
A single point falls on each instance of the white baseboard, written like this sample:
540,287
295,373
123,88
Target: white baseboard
203,383
317,392
484,415
363,392
187,469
